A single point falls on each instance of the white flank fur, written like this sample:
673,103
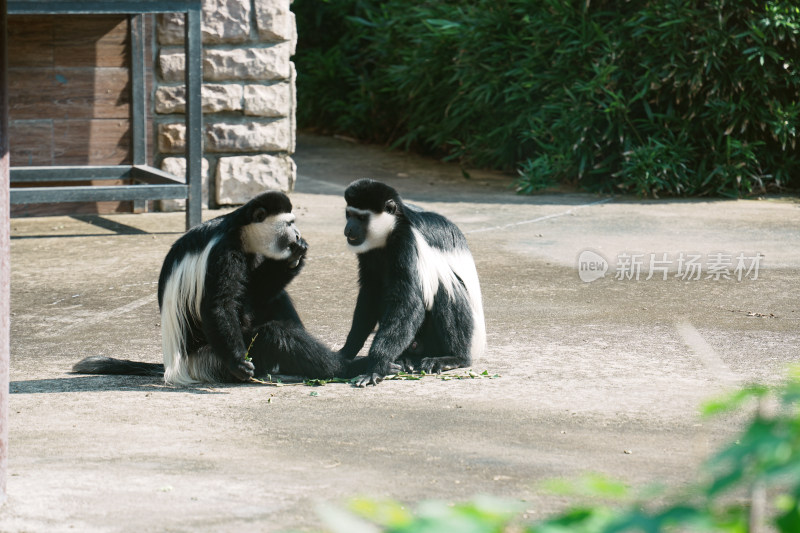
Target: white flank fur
380,227
442,269
262,237
464,266
183,293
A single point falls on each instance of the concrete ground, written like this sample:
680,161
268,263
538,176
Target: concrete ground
603,376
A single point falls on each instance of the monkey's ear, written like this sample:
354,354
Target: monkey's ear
259,214
390,207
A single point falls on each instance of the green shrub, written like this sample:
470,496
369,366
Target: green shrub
674,97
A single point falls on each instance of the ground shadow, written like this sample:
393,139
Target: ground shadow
118,228
105,383
111,225
83,383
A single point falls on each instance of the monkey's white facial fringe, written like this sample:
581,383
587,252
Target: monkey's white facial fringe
183,294
264,237
437,269
380,227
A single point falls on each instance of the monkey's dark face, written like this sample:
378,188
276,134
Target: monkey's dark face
272,231
371,215
366,230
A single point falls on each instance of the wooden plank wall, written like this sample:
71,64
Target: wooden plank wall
69,96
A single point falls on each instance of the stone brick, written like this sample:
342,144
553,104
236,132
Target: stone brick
224,21
171,64
269,63
248,63
240,178
171,138
216,98
170,30
275,136
276,22
268,100
177,167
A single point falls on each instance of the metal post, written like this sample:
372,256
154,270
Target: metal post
5,252
194,116
138,119
138,127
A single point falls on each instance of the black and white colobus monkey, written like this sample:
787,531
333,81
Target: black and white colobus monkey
221,286
417,281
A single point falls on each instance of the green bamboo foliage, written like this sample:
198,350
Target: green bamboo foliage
673,97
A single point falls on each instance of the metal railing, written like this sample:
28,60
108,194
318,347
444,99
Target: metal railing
149,183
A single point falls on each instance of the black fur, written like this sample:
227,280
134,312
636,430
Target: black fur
98,364
244,304
391,293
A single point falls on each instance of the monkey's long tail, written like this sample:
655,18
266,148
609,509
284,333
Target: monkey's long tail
98,364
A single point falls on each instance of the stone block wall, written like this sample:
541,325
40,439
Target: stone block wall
248,98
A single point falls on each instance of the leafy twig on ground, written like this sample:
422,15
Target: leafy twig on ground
247,353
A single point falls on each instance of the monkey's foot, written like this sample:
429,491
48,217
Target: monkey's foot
437,365
374,378
368,379
408,364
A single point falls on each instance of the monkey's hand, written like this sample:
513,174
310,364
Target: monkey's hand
298,250
242,369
